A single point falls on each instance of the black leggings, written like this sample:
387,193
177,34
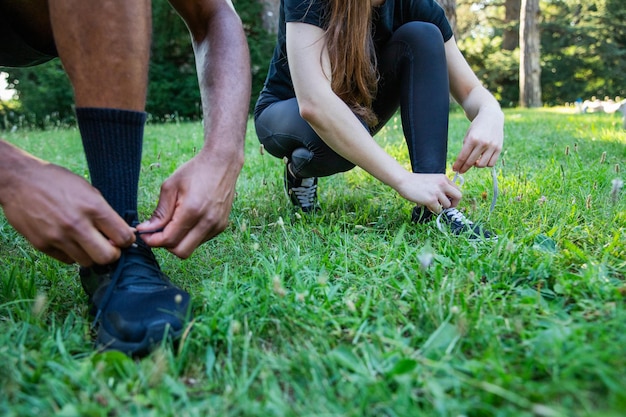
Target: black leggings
414,77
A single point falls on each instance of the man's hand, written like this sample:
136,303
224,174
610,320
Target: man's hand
196,200
194,205
59,212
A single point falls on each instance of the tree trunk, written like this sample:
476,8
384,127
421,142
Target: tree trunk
510,37
270,15
530,66
449,6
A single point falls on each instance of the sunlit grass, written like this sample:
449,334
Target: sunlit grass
355,311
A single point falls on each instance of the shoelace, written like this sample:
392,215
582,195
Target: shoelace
458,178
455,214
123,263
306,193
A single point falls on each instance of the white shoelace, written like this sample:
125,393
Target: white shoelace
456,215
458,178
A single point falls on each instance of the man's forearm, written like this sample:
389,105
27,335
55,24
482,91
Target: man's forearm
223,65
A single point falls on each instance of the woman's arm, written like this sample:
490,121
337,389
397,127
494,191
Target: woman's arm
482,143
337,125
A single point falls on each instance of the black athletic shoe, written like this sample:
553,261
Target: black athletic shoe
421,214
301,191
453,220
134,303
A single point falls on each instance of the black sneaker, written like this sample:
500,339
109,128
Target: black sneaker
301,191
453,220
134,303
421,214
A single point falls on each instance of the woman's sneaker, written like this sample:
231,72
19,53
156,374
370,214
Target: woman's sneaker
134,303
301,191
453,220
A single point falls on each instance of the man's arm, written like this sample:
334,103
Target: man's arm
59,212
196,200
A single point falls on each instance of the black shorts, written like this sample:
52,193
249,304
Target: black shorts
15,51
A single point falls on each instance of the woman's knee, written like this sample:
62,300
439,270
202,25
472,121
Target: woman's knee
280,129
423,36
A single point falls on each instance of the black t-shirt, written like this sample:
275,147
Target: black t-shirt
387,18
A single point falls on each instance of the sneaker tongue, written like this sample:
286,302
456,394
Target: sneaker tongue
140,254
131,218
308,182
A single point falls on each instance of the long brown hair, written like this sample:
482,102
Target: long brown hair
352,56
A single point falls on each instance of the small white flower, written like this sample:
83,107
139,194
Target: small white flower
350,305
425,259
616,187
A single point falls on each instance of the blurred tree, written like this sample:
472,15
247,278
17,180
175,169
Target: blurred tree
481,26
583,47
173,80
270,15
583,53
45,94
530,54
510,34
257,18
450,8
173,88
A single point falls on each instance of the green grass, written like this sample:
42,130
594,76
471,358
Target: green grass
338,314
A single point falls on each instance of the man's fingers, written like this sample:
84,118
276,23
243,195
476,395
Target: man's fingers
181,238
186,246
73,252
162,214
172,235
59,255
99,248
115,229
168,237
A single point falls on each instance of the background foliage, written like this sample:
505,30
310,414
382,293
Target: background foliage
45,95
583,47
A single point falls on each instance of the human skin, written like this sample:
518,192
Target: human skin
105,48
337,125
196,200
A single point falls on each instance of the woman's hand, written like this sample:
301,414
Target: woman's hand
434,191
484,138
483,141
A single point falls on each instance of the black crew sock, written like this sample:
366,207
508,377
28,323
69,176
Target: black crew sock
113,141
